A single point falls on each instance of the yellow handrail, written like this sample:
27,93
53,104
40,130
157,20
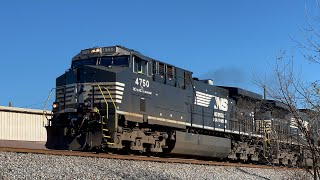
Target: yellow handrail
115,110
104,98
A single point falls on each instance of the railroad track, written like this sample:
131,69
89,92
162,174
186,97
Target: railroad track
139,158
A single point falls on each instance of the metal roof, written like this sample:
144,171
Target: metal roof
23,110
114,50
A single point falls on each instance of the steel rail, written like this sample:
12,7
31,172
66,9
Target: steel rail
140,158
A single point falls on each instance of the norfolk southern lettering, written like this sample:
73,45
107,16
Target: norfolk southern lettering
141,90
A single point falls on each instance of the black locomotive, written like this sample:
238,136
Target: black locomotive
114,98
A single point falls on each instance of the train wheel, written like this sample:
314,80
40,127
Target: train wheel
131,152
111,150
149,153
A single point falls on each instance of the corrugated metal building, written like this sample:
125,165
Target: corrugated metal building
20,125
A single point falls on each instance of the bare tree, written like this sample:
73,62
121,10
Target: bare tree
302,100
311,34
301,97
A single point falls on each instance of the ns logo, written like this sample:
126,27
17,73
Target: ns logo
221,103
203,99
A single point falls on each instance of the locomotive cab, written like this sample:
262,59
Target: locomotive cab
87,95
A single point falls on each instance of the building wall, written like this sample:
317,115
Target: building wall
20,124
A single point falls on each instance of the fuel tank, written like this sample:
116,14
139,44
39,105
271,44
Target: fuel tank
201,145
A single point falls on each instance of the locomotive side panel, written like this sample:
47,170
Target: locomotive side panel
169,105
162,102
212,107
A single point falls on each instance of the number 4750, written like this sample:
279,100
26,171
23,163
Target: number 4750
142,82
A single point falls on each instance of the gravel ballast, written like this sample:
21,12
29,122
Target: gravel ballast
38,166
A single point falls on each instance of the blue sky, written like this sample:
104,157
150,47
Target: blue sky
224,39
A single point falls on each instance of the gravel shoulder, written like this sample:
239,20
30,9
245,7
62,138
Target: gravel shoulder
39,166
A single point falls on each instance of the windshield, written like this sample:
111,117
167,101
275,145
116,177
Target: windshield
114,61
107,61
77,63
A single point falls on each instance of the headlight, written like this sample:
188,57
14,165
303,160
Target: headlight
55,105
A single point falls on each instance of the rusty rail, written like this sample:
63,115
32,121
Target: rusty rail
139,158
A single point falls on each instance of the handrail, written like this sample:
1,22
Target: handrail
104,98
45,105
115,110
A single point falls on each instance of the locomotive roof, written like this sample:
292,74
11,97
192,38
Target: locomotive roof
235,91
116,50
277,103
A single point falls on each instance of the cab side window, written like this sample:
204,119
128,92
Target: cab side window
141,66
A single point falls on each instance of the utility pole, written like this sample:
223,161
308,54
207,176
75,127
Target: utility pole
264,92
